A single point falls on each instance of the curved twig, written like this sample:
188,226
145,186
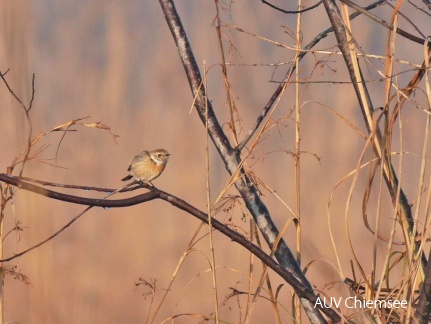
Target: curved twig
154,193
292,11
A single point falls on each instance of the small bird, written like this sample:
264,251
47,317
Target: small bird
147,165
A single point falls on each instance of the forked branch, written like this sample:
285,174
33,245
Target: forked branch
232,160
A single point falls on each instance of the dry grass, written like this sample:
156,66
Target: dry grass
322,164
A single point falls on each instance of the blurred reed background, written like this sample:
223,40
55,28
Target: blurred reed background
116,62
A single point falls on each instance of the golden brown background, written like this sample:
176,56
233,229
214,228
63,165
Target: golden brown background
116,62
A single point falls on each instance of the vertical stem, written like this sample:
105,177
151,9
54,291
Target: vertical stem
225,77
298,152
3,202
210,228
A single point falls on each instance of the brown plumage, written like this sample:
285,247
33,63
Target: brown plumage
147,165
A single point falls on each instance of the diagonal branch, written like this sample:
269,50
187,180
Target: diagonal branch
384,23
154,193
301,55
423,310
399,198
232,160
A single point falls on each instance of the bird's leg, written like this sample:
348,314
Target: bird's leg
152,184
146,184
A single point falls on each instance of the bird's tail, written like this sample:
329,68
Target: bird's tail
127,178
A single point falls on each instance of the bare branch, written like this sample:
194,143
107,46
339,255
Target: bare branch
382,22
279,89
423,310
2,76
302,290
294,11
232,160
27,116
399,198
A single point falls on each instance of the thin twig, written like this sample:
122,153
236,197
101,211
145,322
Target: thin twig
384,23
292,11
49,238
2,76
278,91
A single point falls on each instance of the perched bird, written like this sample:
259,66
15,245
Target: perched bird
147,165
